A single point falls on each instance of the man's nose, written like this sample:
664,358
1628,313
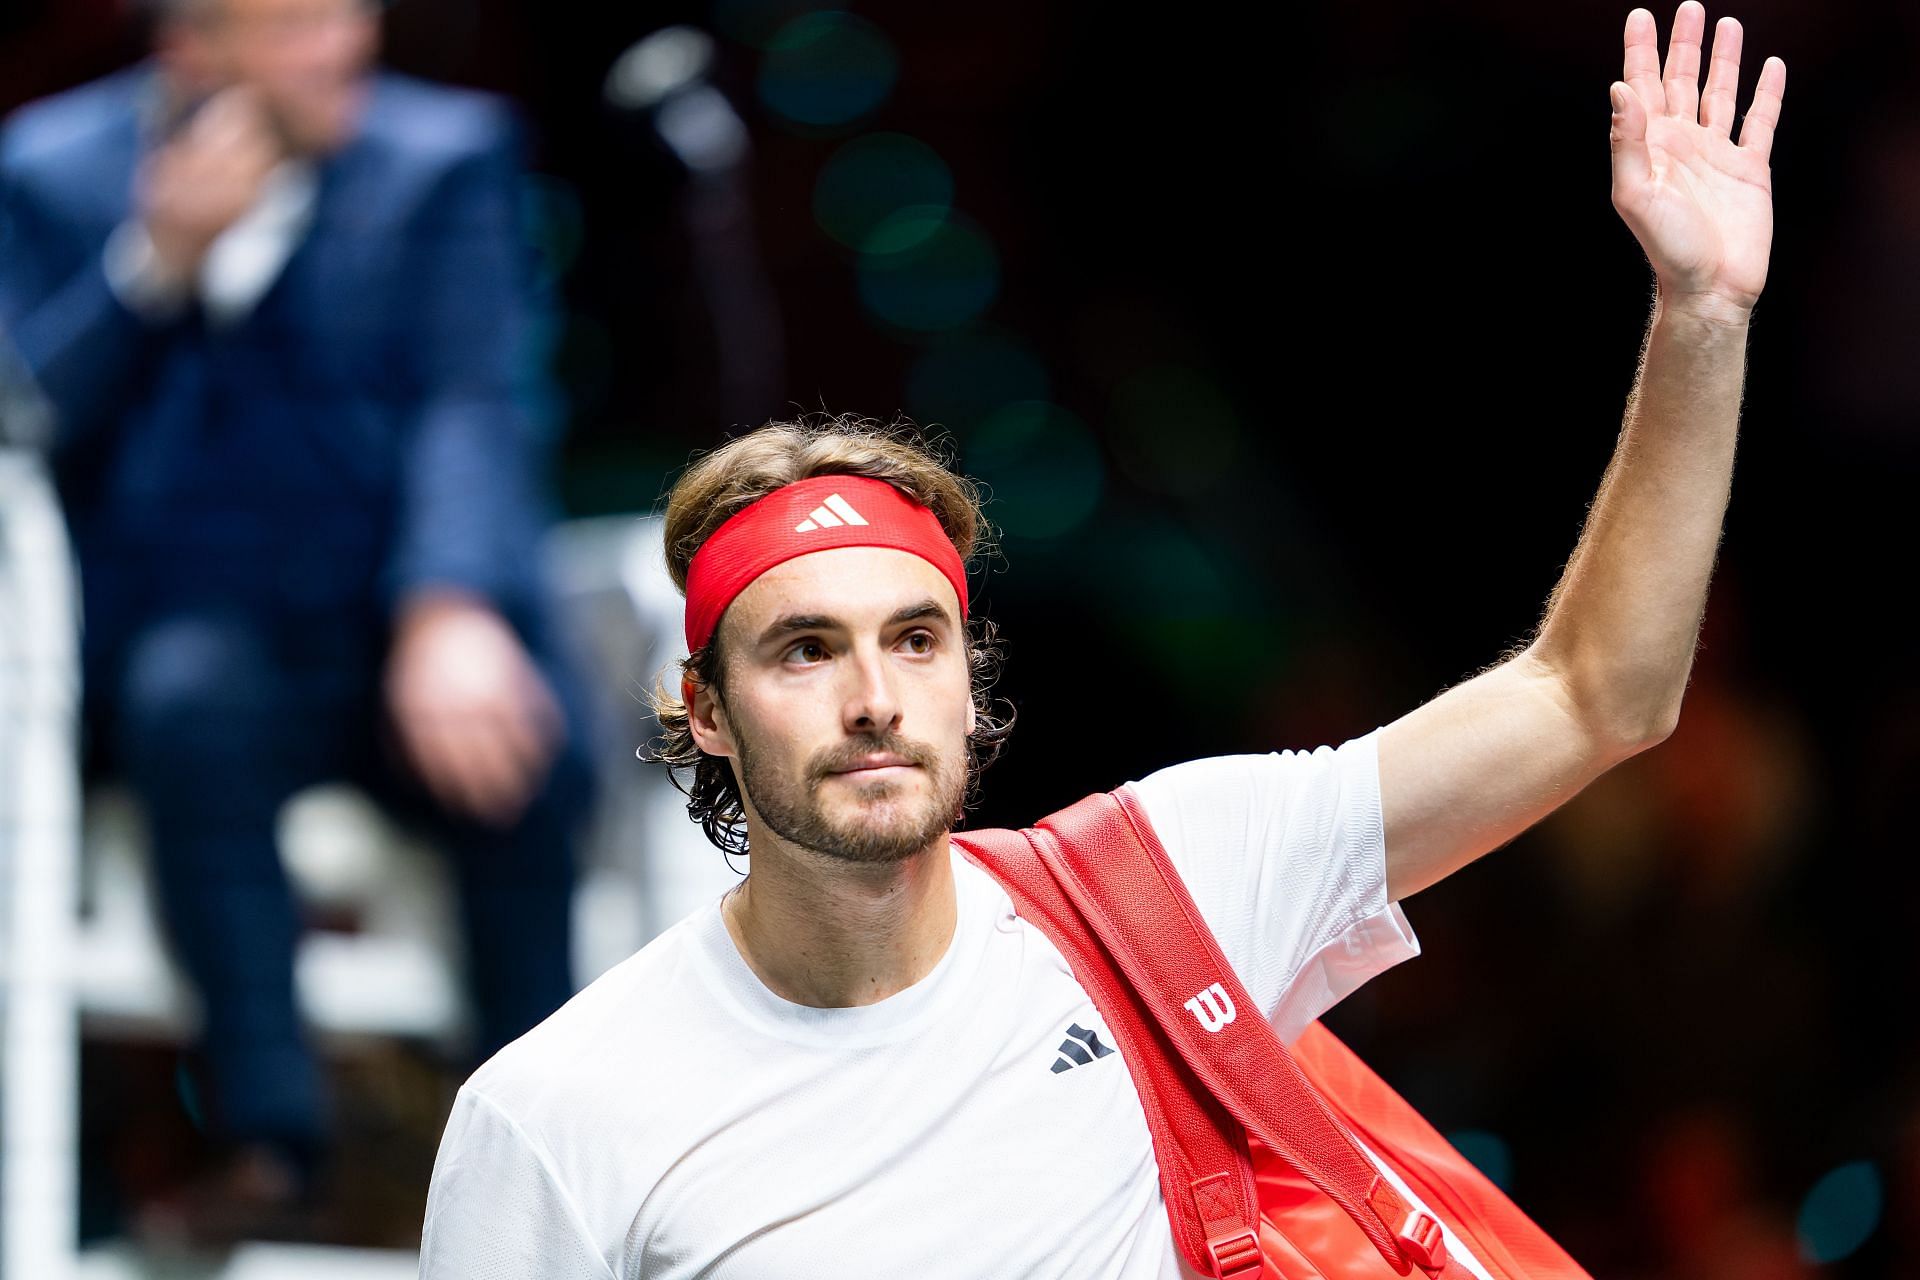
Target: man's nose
873,703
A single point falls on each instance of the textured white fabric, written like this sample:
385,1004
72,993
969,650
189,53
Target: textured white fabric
679,1119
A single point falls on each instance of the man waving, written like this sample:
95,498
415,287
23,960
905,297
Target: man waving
863,1059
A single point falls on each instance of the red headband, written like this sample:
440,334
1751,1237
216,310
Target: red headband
811,515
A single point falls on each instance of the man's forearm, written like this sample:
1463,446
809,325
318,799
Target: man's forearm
1621,625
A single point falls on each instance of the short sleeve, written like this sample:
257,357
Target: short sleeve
494,1209
1285,856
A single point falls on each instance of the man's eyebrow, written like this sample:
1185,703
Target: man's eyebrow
792,622
928,608
798,622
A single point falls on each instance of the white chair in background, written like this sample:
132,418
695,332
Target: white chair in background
39,832
82,954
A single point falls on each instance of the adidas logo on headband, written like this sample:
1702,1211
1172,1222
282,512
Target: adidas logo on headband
831,514
764,534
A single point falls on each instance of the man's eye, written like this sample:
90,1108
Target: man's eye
808,651
919,642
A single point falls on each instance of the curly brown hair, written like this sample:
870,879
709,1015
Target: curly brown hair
722,483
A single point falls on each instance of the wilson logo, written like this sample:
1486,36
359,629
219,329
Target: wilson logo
1213,1007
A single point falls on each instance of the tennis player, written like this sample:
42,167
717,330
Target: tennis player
860,1060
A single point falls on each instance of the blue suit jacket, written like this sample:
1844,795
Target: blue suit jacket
371,427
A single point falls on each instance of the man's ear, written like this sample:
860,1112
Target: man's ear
706,718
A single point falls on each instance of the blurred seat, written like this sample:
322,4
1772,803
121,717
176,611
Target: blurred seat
386,963
392,974
390,965
646,864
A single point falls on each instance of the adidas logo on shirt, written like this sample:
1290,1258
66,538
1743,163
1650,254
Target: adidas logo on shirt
831,514
1079,1048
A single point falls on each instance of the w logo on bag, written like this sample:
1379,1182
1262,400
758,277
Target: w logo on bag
1214,1007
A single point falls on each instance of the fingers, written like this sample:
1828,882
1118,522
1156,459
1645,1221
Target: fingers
1756,134
1675,92
1631,163
1682,79
232,137
503,766
456,765
235,119
486,763
1719,104
226,119
477,721
1642,69
524,725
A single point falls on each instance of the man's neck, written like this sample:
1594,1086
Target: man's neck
830,934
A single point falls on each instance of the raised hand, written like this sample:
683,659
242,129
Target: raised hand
1700,203
196,185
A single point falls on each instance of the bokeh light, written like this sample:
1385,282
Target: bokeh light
874,177
583,359
554,223
1186,604
1840,1212
926,270
188,1092
539,394
664,63
904,229
756,22
827,69
1043,467
1487,1152
960,380
1174,430
1189,580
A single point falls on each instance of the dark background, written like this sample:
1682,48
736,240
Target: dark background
1336,323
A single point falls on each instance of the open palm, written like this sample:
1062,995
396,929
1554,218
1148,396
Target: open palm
1700,204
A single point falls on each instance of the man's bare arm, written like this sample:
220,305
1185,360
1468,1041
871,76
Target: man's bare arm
1604,675
1488,758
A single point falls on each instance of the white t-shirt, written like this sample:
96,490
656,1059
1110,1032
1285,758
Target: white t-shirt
679,1119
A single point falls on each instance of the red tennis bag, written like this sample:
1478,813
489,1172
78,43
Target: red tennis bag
1260,1154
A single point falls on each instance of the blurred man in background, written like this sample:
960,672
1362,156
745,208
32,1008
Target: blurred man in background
274,305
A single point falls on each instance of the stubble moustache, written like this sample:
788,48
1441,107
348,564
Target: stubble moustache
797,814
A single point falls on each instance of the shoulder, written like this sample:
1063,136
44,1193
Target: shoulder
613,1053
51,131
1284,854
436,126
1241,797
557,1137
577,1038
1253,765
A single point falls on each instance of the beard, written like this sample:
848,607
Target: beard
888,826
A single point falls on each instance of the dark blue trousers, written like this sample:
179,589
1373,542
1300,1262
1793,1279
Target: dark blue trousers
215,718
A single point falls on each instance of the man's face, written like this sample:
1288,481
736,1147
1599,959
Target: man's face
307,59
847,704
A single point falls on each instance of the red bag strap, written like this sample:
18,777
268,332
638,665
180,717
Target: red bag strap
1206,1176
1107,896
